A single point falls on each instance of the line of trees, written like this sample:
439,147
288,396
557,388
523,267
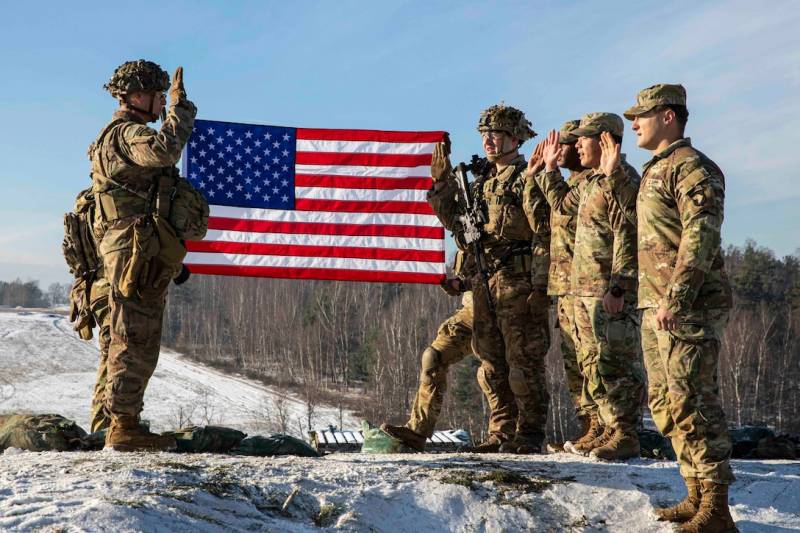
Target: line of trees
357,345
28,294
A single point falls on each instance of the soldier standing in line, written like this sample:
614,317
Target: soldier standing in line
686,297
603,281
562,242
135,184
511,334
453,343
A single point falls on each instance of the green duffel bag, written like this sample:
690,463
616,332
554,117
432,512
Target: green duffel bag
378,441
207,439
40,433
278,444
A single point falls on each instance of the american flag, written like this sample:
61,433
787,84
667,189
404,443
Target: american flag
302,203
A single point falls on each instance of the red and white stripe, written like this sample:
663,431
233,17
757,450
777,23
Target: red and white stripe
360,215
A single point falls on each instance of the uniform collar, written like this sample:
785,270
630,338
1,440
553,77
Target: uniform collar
127,116
511,168
686,141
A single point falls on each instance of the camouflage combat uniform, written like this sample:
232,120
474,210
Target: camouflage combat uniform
604,257
130,161
562,243
679,209
512,341
100,309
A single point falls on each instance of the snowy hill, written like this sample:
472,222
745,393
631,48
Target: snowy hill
45,368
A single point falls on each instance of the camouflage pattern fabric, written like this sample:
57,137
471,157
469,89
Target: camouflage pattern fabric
207,439
128,159
452,344
100,417
277,444
680,212
501,117
565,134
562,240
656,95
683,391
511,343
39,433
596,123
565,309
611,362
605,239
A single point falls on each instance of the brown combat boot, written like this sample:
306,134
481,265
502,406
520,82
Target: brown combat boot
622,445
410,438
593,430
126,435
490,445
523,444
713,516
585,447
687,508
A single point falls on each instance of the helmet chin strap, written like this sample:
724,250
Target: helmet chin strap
149,113
495,157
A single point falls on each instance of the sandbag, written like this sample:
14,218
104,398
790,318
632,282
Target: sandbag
207,439
278,444
39,433
378,441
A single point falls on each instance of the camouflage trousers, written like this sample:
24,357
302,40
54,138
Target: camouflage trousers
452,344
136,324
611,362
565,309
684,395
99,306
513,341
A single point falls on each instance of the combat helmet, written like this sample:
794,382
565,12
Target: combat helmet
140,75
508,119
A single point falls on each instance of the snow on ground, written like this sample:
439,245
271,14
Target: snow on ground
103,491
46,368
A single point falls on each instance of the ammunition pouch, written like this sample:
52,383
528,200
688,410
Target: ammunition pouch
148,253
172,199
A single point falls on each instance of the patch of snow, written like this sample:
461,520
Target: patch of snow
46,368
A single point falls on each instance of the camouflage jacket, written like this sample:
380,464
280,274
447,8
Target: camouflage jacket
562,241
605,240
508,232
680,211
128,157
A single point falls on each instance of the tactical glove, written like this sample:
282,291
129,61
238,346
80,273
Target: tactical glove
440,162
176,90
452,286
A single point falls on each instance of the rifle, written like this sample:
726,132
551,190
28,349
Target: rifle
473,219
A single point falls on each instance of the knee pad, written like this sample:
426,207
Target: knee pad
431,364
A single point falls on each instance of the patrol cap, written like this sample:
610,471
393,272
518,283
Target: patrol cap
656,95
595,123
565,135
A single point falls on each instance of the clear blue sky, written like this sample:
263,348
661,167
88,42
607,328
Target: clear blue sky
400,65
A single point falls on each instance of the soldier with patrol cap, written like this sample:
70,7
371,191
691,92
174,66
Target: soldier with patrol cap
562,243
144,210
686,297
511,335
603,280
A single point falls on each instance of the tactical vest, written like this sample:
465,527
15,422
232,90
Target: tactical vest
157,191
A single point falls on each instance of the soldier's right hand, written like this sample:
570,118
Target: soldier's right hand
440,163
551,152
536,162
176,91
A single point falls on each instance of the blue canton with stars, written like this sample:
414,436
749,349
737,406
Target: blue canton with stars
242,165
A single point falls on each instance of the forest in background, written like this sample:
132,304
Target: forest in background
357,345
